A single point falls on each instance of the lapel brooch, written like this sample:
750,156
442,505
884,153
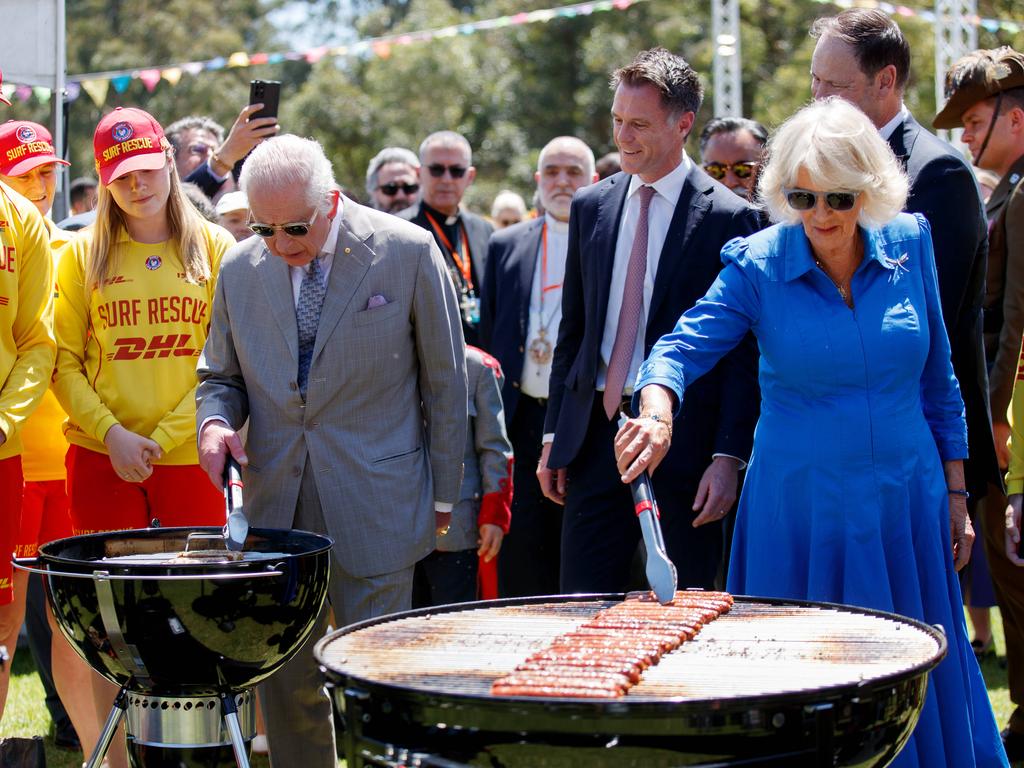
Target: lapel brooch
899,264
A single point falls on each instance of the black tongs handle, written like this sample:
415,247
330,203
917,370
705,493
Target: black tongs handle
233,481
236,526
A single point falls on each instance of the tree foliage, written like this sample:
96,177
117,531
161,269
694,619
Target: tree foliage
509,90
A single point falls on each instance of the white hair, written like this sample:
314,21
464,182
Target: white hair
570,144
286,160
508,199
841,150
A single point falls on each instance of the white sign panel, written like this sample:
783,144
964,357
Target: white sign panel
32,40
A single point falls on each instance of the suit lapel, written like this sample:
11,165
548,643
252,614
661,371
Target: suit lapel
277,285
352,259
527,247
690,210
610,207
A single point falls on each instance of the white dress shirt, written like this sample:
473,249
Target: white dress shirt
659,217
546,314
887,130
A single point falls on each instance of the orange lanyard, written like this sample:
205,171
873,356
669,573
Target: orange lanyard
544,265
464,267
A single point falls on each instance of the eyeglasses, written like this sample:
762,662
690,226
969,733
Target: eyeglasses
717,171
805,200
294,229
437,170
392,189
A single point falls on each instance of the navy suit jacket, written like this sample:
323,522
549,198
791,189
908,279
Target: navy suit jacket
720,417
505,301
943,189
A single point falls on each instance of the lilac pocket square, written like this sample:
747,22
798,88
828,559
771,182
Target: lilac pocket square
377,300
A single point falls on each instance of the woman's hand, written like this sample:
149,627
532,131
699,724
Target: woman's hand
490,541
642,443
131,455
961,529
1012,535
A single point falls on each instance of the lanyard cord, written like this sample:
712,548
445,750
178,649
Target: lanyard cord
464,267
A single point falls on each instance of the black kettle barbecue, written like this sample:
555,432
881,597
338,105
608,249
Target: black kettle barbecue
186,634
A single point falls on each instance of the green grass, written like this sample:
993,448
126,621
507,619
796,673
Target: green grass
26,715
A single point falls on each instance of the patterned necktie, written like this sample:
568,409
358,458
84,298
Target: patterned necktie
307,318
629,314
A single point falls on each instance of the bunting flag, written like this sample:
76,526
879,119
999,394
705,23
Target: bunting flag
97,84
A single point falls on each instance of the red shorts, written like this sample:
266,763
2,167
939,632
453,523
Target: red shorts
44,516
10,518
174,495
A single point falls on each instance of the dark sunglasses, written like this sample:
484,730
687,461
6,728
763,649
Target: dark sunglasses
392,189
294,229
805,200
437,170
717,171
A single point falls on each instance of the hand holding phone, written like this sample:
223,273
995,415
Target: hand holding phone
250,128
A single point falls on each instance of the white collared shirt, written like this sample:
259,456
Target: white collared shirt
546,314
659,217
326,256
887,130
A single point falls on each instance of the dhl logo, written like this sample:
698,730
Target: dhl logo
4,301
136,347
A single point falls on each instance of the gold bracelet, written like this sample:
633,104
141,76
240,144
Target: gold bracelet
660,419
216,161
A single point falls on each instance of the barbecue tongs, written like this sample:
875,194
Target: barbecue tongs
661,572
236,527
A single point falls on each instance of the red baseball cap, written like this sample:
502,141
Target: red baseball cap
5,101
24,146
126,140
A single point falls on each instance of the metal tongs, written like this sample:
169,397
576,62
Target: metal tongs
236,526
661,572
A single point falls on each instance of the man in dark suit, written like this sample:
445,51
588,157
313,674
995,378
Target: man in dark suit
862,56
521,307
644,247
446,171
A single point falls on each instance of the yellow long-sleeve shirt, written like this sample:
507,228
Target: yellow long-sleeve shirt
1015,475
126,354
26,334
42,438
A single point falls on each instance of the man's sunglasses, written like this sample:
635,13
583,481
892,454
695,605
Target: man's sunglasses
717,171
805,200
294,229
392,189
437,170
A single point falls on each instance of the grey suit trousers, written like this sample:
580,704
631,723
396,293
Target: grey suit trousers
296,708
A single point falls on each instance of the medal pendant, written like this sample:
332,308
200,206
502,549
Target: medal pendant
540,349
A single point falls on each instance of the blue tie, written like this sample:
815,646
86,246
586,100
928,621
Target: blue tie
307,317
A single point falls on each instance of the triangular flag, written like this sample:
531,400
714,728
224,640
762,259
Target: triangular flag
238,59
217,63
71,91
23,92
172,75
193,67
149,78
382,48
314,55
259,58
97,90
42,94
121,82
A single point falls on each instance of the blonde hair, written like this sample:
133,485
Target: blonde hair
186,226
841,149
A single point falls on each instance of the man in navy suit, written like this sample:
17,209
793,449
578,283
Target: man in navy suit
643,247
862,56
521,307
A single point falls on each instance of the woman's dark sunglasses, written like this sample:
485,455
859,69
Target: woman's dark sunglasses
294,229
717,171
805,200
437,170
392,189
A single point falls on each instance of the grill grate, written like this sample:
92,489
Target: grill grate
756,649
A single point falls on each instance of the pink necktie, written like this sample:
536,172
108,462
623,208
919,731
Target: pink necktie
629,314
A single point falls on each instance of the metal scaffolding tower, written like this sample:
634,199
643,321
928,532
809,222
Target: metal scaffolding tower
725,31
956,34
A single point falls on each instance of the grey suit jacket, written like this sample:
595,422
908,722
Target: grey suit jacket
385,417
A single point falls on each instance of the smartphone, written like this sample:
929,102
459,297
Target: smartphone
266,92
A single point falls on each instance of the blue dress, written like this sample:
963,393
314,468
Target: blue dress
845,497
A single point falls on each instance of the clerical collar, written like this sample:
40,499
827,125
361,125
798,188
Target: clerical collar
449,221
554,225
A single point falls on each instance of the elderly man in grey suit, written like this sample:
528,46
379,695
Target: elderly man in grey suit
336,332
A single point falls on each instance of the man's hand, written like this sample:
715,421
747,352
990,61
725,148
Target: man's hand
717,490
641,444
490,541
1012,535
244,135
131,454
552,483
1001,432
216,439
